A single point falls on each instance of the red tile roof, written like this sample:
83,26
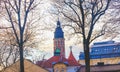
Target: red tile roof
72,61
48,63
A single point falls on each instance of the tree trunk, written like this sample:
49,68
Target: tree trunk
87,56
21,58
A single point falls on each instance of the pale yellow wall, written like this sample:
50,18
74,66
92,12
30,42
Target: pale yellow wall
115,60
58,67
29,67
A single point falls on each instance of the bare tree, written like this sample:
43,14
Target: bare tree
18,13
113,20
82,16
115,8
8,52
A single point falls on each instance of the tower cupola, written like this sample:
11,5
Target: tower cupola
58,31
59,40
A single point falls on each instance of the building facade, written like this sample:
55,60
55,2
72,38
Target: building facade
60,67
102,68
58,62
107,52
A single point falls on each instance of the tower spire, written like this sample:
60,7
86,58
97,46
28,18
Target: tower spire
72,59
58,24
58,21
58,18
59,39
70,48
58,31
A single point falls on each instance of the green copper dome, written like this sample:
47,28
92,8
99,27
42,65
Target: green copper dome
57,52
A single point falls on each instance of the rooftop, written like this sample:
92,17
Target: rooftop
106,49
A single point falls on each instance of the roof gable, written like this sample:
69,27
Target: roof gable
72,61
49,63
28,67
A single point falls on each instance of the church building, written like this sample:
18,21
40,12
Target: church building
58,62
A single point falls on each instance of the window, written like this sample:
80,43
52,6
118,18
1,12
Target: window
96,50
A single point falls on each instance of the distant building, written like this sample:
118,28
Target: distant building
102,68
59,62
103,53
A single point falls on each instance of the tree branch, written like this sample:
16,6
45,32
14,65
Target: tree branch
14,30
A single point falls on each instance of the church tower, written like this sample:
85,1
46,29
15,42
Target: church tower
59,43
